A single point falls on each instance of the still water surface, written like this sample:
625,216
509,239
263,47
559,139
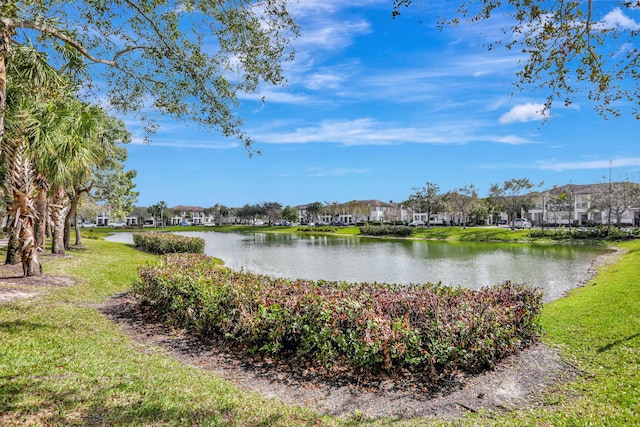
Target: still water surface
554,268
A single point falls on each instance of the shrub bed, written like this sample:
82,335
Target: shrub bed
166,243
590,233
386,230
318,229
429,329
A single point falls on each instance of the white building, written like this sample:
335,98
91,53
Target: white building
573,204
355,211
103,219
190,214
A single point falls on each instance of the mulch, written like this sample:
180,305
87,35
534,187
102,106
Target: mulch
517,381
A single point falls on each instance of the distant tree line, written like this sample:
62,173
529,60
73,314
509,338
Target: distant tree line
463,205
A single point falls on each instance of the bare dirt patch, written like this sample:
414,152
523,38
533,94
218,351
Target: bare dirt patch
518,381
13,285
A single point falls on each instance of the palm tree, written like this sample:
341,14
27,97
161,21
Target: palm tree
91,148
86,138
30,87
41,205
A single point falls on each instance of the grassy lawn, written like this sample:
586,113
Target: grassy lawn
597,329
471,234
63,363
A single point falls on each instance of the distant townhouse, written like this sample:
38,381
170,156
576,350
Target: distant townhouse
355,211
434,218
189,214
303,216
373,210
103,219
575,204
382,211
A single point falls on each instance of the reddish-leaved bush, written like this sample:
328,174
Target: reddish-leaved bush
428,328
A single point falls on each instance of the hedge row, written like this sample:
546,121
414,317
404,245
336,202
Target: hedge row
428,329
591,233
318,229
166,243
386,230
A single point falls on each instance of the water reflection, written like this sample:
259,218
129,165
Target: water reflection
555,268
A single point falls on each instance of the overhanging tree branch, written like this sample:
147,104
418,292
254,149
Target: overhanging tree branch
54,32
570,51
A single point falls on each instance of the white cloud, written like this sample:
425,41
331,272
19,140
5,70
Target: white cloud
363,131
318,171
487,64
324,80
207,144
367,131
513,140
617,19
353,132
524,113
331,35
590,164
275,95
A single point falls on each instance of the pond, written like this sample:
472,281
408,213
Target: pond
554,268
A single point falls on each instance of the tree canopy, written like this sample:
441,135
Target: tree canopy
568,47
189,59
426,199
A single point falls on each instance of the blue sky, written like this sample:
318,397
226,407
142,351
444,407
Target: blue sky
376,107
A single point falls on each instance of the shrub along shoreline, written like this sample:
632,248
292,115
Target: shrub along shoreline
166,243
428,329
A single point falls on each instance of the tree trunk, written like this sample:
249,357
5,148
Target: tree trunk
5,48
40,227
70,218
78,234
30,260
23,213
58,214
72,215
18,174
13,247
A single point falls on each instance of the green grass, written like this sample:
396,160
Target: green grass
470,234
597,329
473,234
63,363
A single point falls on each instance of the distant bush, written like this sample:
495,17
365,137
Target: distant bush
428,329
318,229
591,233
386,230
166,243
